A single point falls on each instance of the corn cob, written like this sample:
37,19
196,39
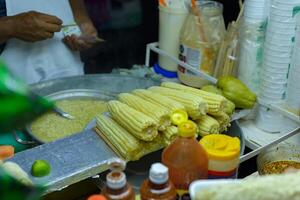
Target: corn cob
155,145
120,140
170,134
157,112
135,122
194,105
223,119
216,103
208,125
158,99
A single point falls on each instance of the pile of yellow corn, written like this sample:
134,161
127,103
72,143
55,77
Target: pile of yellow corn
140,121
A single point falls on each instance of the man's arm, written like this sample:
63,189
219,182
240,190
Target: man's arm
30,26
89,32
79,11
5,29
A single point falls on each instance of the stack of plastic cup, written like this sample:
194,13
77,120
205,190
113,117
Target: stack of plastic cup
255,10
293,86
252,43
277,51
277,58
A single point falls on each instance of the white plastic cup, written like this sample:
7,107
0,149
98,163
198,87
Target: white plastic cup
170,24
270,99
278,49
279,43
274,77
280,39
273,70
278,84
271,88
274,25
268,120
275,58
285,32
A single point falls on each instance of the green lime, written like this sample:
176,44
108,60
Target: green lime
40,168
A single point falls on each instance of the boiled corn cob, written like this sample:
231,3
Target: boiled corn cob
120,140
207,125
170,134
137,123
158,99
216,103
157,112
155,145
223,119
194,105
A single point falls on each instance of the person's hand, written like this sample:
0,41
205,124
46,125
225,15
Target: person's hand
34,26
87,39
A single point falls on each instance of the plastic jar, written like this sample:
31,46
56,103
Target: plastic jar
171,21
200,40
223,154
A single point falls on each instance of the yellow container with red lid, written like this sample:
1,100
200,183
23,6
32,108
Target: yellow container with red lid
223,153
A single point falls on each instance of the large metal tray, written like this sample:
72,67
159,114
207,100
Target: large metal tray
82,155
106,83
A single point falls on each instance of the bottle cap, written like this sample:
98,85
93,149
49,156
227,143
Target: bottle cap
187,129
97,197
116,164
116,180
159,173
179,116
221,147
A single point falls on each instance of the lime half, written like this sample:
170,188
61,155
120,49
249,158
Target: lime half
40,168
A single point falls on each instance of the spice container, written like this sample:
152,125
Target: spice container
200,40
223,153
117,187
158,186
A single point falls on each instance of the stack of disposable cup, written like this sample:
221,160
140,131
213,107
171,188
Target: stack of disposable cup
277,58
293,86
252,36
277,50
255,11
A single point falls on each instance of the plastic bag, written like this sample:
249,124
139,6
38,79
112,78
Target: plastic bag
18,105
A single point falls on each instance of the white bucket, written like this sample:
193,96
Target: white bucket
170,23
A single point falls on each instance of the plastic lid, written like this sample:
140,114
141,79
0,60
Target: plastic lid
97,197
221,147
179,116
116,180
159,174
187,129
164,72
